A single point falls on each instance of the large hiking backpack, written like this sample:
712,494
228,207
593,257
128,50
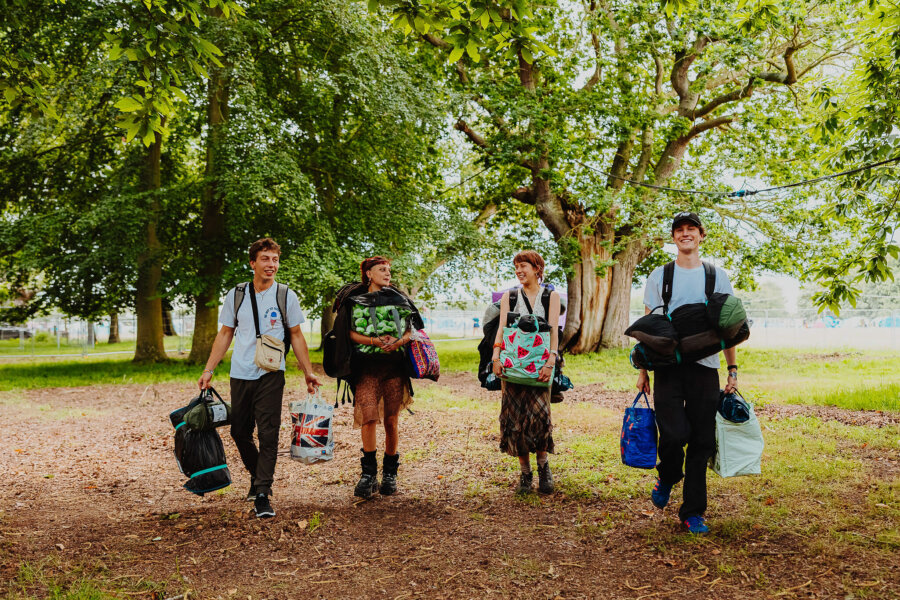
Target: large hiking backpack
281,294
692,331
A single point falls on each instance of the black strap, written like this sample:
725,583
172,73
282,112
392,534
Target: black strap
513,299
527,303
281,294
545,300
710,272
255,310
239,293
668,278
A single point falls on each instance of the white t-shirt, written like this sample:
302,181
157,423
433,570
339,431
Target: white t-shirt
688,287
242,365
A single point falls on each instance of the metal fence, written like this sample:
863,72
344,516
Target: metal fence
62,337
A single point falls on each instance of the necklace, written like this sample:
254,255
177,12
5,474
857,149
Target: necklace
262,295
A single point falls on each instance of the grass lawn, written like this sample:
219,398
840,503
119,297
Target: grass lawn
852,379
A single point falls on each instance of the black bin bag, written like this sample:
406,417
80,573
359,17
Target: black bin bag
200,454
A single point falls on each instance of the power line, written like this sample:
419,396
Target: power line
742,193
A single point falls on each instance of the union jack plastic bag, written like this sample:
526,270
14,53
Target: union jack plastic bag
312,435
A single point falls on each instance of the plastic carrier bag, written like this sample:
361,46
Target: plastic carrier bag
312,434
739,446
638,439
200,454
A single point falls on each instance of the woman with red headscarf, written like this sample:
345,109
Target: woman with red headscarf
380,383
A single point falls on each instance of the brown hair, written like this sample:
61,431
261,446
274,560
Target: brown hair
370,262
532,258
267,244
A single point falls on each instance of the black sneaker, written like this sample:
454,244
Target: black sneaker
545,479
263,508
525,480
367,486
251,495
388,484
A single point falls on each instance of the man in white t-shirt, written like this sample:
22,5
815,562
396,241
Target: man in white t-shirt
686,396
256,394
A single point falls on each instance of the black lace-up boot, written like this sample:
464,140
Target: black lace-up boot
389,474
368,481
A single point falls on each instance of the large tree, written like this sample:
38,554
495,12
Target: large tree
859,112
572,99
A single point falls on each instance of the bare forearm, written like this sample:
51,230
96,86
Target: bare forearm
301,351
219,348
730,356
358,338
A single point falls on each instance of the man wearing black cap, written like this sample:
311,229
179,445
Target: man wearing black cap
685,396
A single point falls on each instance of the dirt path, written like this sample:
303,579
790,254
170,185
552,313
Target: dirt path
91,488
595,393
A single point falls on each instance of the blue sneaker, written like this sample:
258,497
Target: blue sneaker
695,524
660,494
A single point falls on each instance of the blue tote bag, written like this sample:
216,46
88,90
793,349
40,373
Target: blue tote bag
638,441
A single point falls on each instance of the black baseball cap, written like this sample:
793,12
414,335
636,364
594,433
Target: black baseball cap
689,217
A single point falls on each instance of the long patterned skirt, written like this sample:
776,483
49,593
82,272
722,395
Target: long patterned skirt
525,425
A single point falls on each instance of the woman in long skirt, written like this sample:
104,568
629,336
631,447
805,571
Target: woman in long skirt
525,424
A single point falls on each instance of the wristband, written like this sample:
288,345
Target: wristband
498,345
732,367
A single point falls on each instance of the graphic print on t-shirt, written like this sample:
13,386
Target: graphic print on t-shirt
271,316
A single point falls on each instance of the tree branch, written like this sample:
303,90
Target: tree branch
646,154
443,44
715,103
524,195
706,126
476,139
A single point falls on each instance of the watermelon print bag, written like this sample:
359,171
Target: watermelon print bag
522,355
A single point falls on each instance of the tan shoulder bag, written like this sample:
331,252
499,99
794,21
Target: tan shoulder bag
269,349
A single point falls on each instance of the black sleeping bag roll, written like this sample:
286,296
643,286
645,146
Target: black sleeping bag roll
656,332
644,357
200,454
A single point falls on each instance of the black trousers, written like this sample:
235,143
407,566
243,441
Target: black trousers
685,398
257,403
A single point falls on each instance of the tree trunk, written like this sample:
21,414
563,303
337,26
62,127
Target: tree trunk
328,317
619,305
168,321
148,304
588,291
113,328
590,281
212,234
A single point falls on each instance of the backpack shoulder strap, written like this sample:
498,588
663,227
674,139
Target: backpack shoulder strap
545,300
281,295
513,299
710,272
239,292
668,278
